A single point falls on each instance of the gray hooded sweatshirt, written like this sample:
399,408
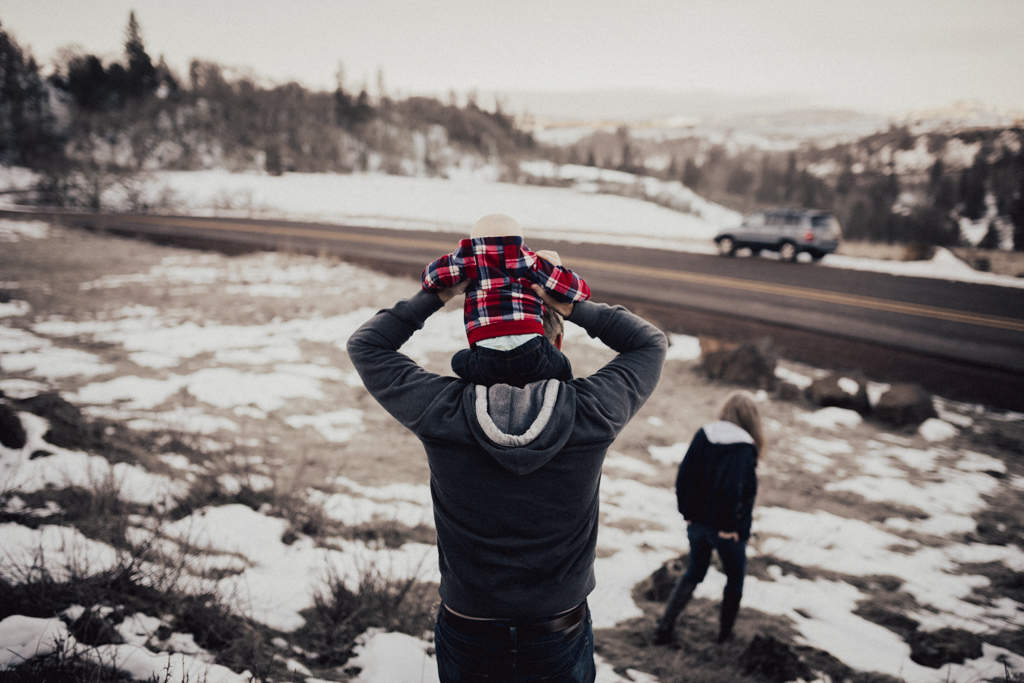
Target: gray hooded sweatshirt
514,473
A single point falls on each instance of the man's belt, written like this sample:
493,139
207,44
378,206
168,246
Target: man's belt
525,628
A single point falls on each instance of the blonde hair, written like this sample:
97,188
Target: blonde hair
553,326
740,409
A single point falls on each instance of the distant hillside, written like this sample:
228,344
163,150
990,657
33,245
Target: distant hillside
921,182
637,105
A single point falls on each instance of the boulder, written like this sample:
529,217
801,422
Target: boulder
841,391
905,404
68,428
663,580
92,629
749,364
12,433
787,391
771,660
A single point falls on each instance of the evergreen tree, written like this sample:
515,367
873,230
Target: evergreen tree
693,176
87,83
789,182
972,191
12,95
740,181
847,179
673,167
770,189
27,133
1017,208
991,239
935,174
141,74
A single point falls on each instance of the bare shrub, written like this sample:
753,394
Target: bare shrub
339,615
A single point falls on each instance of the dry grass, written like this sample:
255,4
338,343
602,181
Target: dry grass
1000,262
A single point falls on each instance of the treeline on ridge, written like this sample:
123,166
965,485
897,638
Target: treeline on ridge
89,126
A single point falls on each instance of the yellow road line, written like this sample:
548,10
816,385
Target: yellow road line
855,300
919,310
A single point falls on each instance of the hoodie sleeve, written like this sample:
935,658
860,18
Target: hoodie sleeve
684,477
747,494
612,396
398,383
563,284
445,272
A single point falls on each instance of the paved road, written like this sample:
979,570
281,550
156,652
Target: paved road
964,340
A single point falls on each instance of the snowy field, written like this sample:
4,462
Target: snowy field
269,359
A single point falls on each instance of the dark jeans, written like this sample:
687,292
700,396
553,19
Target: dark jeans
535,360
704,539
507,657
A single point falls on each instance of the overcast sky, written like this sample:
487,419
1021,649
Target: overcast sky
876,55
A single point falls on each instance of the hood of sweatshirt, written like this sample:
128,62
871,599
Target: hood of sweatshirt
522,428
723,432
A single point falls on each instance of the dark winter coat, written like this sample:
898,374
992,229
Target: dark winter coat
717,481
514,473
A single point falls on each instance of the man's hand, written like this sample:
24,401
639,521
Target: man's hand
729,535
561,307
446,295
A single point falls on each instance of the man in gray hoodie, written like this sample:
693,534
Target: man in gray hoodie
514,477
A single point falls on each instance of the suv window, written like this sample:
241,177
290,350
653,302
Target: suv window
793,219
825,221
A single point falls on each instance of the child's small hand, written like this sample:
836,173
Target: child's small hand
549,256
561,307
446,295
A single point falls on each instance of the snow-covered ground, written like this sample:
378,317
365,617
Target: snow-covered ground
231,374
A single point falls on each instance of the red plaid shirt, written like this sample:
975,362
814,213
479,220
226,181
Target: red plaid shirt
503,269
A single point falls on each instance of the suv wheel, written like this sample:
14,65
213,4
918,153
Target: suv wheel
726,247
787,252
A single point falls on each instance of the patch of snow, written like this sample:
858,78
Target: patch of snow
832,418
669,455
683,347
934,429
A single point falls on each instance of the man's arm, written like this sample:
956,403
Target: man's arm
618,390
398,383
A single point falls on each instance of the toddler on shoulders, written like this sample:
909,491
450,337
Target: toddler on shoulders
504,317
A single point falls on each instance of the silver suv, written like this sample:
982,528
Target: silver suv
786,231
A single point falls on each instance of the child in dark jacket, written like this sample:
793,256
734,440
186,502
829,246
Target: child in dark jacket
715,491
504,317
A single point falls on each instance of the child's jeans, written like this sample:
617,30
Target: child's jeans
536,360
